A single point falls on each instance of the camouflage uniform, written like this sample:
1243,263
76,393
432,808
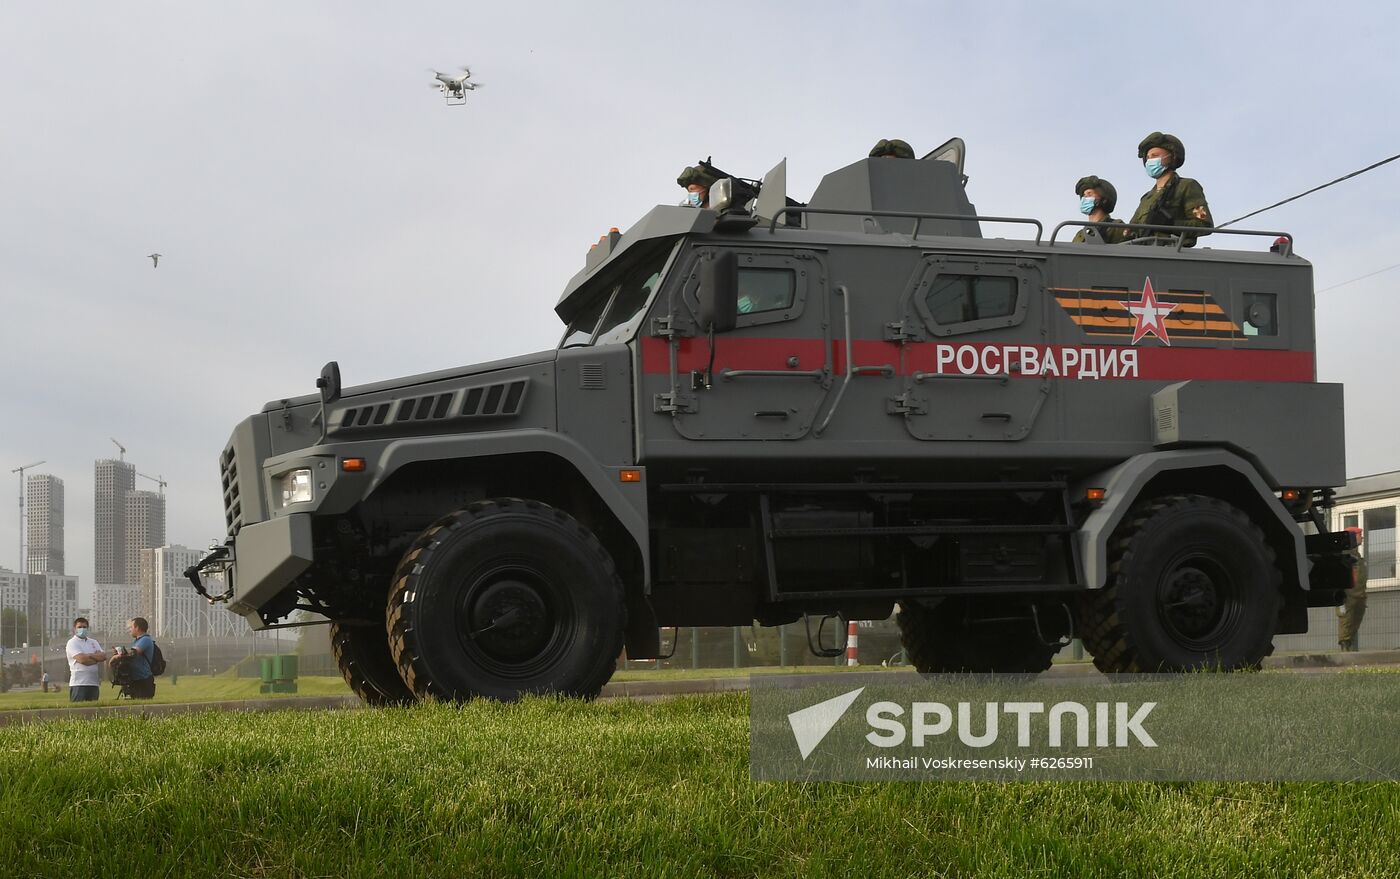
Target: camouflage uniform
1108,197
1353,610
897,149
1181,202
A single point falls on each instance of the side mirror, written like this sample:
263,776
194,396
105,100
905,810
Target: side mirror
329,383
719,292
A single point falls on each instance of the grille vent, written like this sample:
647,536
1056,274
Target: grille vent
497,400
1166,421
233,500
592,376
364,416
487,401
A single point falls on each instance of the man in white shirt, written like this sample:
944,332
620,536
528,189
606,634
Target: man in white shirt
85,658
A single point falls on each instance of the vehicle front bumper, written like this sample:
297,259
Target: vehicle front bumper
257,563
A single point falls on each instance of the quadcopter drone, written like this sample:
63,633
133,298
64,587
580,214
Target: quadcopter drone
455,87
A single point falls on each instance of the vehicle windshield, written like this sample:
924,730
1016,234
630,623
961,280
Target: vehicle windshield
612,314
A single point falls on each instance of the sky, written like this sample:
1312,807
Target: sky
314,199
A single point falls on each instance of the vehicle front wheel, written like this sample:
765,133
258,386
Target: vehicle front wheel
503,598
1192,583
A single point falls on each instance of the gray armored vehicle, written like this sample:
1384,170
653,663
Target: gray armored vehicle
769,411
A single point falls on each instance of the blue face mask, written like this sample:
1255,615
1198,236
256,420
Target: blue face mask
82,632
1154,168
693,199
1087,205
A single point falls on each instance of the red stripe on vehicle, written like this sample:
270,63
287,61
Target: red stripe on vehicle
982,358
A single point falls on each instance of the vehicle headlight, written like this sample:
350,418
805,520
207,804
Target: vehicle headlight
296,487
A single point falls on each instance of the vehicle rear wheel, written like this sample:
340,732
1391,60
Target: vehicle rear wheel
962,635
503,598
362,652
1192,583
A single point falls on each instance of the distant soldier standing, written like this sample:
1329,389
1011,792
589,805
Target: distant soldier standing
1097,199
1174,200
1353,610
891,149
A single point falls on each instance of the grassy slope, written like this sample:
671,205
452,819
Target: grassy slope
573,789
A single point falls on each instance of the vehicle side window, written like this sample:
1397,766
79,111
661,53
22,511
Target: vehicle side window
954,295
1260,314
766,289
954,299
774,284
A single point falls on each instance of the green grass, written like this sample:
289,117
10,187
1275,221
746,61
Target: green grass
186,689
609,789
690,674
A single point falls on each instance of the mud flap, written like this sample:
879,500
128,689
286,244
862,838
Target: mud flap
642,637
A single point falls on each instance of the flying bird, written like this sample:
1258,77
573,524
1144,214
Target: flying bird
155,260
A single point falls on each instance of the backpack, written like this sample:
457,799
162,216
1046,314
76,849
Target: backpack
157,659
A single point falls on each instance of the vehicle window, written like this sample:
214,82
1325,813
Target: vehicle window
766,290
956,299
581,328
1260,314
1378,542
632,297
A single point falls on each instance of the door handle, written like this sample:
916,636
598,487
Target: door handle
771,413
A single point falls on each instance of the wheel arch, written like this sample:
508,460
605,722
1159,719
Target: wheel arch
545,467
1210,472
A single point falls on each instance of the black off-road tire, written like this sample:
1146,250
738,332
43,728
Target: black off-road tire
1192,584
504,598
940,638
362,652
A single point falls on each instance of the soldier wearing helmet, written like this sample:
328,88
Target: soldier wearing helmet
1097,198
696,181
1174,200
891,149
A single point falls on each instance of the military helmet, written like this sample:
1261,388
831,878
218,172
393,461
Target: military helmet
897,148
1108,196
1168,142
696,174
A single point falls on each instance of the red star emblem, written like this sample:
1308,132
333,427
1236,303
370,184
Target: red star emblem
1149,313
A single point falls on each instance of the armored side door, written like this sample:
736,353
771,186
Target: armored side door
768,377
968,325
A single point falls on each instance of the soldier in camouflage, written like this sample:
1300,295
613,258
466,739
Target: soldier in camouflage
1353,610
696,181
891,149
1174,200
1097,198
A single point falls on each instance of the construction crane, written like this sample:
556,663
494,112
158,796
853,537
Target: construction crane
160,480
119,446
23,568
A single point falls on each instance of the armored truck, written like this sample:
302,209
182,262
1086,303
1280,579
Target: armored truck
769,411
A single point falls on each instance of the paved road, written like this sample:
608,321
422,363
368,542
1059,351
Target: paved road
1321,663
